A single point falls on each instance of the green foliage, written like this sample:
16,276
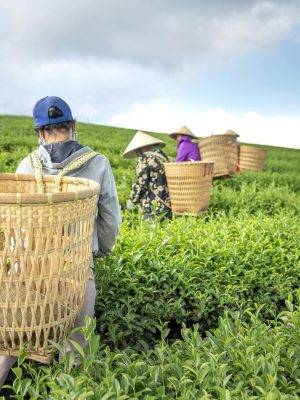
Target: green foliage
239,360
190,270
254,197
188,308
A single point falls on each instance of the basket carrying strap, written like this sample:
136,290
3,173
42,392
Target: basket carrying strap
153,153
157,198
37,168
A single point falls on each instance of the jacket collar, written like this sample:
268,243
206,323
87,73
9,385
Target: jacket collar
185,138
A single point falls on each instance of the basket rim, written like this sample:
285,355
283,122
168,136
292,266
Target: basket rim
249,146
222,135
93,188
190,163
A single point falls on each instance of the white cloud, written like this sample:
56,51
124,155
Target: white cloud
252,127
95,90
105,56
169,33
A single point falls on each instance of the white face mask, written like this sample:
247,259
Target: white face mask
41,141
74,135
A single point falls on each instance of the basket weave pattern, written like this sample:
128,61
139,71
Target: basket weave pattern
223,150
189,186
251,158
45,253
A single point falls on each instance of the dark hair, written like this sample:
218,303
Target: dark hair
60,126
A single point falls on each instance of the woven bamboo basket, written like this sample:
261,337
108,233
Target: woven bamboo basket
189,186
45,254
251,158
223,150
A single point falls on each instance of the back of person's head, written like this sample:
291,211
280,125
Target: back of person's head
151,147
52,113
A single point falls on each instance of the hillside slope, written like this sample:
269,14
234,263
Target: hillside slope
190,308
17,139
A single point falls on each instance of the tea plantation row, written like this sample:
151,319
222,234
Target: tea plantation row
238,361
234,272
190,270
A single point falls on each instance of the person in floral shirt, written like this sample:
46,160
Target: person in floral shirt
149,191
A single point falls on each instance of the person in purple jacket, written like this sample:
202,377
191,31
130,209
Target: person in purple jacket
186,149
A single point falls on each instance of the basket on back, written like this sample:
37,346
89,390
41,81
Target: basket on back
45,254
251,158
189,186
223,150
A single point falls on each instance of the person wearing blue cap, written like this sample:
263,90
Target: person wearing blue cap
55,126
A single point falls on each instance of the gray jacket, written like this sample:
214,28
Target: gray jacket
98,168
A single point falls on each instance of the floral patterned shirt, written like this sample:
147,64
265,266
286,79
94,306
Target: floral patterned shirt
150,190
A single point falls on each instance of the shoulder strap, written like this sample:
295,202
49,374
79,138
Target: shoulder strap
75,164
157,198
37,168
154,153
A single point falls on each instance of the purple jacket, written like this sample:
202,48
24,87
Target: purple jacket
187,151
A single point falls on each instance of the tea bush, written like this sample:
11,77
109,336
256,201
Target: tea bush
239,360
253,198
190,270
188,308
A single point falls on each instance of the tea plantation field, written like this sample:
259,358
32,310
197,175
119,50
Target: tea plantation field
190,308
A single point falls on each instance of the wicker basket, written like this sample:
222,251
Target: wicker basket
223,150
45,254
189,186
251,158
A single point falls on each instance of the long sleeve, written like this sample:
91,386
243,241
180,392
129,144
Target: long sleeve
108,218
188,151
141,185
24,167
182,152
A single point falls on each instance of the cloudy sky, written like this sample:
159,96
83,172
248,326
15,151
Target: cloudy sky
158,64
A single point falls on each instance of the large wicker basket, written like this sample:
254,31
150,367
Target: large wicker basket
189,185
251,158
45,254
223,150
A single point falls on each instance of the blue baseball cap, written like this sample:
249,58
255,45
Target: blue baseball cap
51,110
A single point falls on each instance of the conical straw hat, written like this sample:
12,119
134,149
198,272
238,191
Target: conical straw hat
230,132
184,130
140,140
